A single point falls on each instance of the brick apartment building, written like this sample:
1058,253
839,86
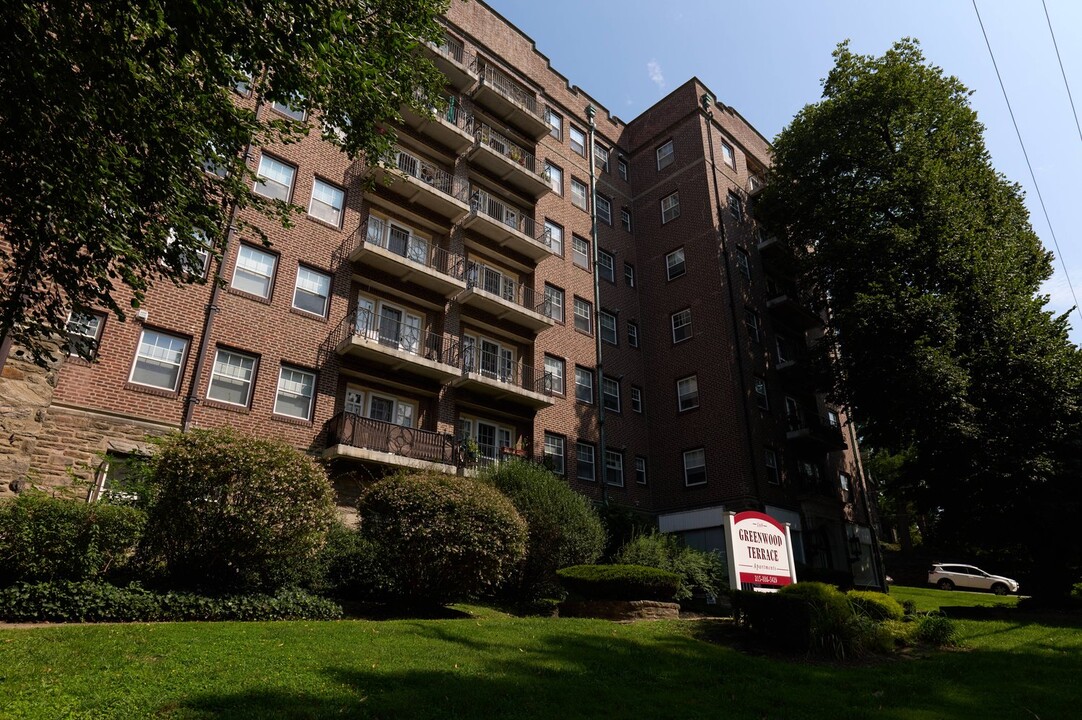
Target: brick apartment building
448,316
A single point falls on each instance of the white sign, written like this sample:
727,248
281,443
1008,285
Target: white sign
760,552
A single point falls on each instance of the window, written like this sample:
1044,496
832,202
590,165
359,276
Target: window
674,264
193,262
584,385
327,202
625,219
601,157
580,252
554,303
604,210
289,111
312,291
578,194
607,323
584,316
295,390
117,477
687,393
606,266
556,123
629,274
254,272
578,140
770,458
555,368
833,420
556,178
845,482
736,206
670,207
554,453
610,394
665,155
632,334
761,397
784,349
728,154
158,360
640,470
695,467
231,378
681,325
742,263
84,333
555,234
636,399
614,468
274,179
621,167
751,322
584,462
390,410
243,86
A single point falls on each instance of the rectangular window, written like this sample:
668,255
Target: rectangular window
621,167
762,399
632,334
601,157
556,123
254,272
555,368
193,262
625,219
770,458
681,325
84,333
580,252
312,291
687,393
584,385
784,349
629,274
845,482
743,265
554,453
327,202
640,470
555,234
833,419
606,266
607,323
578,194
556,178
289,111
158,360
665,155
295,390
728,154
584,312
636,399
751,322
670,207
578,140
674,264
274,179
695,467
736,206
584,462
614,468
554,303
231,378
610,394
604,210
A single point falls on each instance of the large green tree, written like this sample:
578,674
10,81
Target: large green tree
111,108
937,337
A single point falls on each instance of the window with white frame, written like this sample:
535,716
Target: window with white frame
681,325
554,303
621,167
492,358
578,194
555,366
584,385
625,219
158,360
845,482
670,207
728,154
193,262
604,210
231,378
784,349
556,123
554,453
751,322
555,235
743,264
585,464
833,419
295,391
84,333
632,334
578,140
610,394
390,409
390,325
606,266
770,458
687,393
607,324
736,206
254,272
289,110
584,311
491,438
665,155
629,274
274,178
312,291
640,470
762,398
556,178
695,467
327,202
636,399
674,264
580,252
614,468
601,157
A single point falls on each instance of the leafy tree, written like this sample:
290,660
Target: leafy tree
937,338
111,110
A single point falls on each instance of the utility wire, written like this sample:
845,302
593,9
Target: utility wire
1025,154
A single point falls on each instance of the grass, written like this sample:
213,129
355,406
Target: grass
929,598
491,665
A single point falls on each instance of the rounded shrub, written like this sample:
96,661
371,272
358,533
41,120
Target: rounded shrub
876,605
936,629
620,582
700,572
564,528
441,538
832,628
235,513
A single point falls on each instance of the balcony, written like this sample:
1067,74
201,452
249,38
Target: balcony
814,433
422,183
786,308
449,127
509,162
504,380
756,183
453,61
506,226
385,341
504,297
509,101
360,438
398,252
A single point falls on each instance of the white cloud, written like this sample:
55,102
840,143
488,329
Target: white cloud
656,77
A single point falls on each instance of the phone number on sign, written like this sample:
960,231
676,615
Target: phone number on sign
766,579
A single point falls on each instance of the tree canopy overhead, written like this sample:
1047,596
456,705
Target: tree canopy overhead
937,337
112,108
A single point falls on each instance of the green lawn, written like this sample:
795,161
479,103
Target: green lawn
930,598
495,666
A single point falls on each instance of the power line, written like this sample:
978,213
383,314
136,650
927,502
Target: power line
1025,154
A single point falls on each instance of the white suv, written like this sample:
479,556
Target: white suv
949,576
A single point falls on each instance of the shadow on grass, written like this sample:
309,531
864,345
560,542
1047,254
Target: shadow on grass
356,610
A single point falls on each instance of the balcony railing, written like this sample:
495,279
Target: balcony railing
378,233
361,432
815,429
512,151
452,49
483,203
389,332
430,174
502,369
507,288
505,86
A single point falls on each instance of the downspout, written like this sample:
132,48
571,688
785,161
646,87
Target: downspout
590,113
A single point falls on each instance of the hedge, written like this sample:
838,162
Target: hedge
876,605
620,582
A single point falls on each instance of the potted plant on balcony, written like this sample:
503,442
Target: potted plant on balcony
517,155
469,451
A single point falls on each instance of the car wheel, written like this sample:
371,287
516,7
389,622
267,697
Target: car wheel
946,584
999,589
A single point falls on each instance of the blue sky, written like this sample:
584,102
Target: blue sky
766,59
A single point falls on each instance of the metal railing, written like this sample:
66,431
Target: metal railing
379,233
493,281
499,81
452,49
486,135
819,426
502,369
483,203
349,429
458,111
392,333
756,182
429,174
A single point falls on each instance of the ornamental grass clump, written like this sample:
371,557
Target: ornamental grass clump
700,572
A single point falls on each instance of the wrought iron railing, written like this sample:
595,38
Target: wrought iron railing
429,174
379,233
483,203
350,429
493,281
514,152
453,49
503,369
499,81
392,333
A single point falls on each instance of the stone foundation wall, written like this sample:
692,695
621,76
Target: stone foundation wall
26,392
